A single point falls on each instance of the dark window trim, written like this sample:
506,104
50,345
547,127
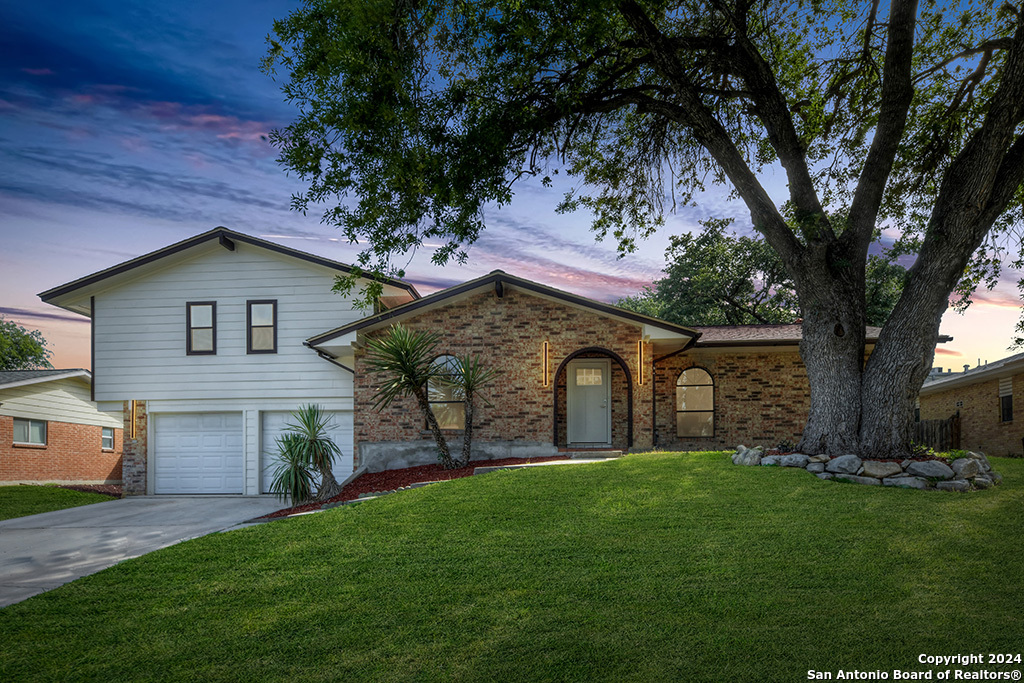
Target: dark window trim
248,325
188,327
29,444
1006,415
714,402
431,404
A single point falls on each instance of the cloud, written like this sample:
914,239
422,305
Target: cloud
939,351
22,313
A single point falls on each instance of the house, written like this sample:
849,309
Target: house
52,432
983,397
209,344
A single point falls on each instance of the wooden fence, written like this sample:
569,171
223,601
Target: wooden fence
942,435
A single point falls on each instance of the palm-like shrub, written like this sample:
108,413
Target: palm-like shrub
406,360
305,448
471,376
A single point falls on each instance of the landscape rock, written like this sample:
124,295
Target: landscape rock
907,482
771,460
740,449
966,468
881,469
818,458
982,459
953,485
816,467
824,475
930,469
794,460
844,464
855,479
906,463
981,482
996,478
750,456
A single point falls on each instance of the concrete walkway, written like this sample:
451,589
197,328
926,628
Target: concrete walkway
41,552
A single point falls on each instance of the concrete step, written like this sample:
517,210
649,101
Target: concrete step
591,454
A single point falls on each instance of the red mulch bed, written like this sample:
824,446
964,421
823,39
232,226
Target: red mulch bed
389,480
106,489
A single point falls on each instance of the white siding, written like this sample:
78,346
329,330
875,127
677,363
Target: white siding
340,431
61,400
140,331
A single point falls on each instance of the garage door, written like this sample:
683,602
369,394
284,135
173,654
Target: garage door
339,428
198,452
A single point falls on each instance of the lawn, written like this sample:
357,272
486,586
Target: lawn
21,501
676,567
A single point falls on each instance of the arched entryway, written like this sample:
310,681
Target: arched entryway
586,367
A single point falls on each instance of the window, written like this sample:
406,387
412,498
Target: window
261,317
201,324
107,440
445,395
31,432
695,403
1006,399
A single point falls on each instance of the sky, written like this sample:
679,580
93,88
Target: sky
127,126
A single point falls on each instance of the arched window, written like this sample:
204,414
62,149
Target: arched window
445,395
695,403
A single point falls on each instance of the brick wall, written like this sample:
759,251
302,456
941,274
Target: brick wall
761,398
73,453
980,425
135,450
507,333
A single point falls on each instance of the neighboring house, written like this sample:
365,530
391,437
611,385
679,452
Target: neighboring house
201,345
984,399
51,431
209,344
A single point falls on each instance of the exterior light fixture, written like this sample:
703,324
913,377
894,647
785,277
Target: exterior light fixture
640,361
131,424
545,371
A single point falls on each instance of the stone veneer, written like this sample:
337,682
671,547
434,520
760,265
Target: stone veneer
981,426
507,333
133,464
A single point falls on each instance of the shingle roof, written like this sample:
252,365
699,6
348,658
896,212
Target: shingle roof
735,335
29,376
979,374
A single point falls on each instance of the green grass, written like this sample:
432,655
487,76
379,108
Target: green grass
21,501
654,567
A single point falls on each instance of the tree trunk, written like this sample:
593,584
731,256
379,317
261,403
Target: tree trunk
467,434
329,486
443,454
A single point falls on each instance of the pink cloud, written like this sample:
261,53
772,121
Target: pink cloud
939,351
38,72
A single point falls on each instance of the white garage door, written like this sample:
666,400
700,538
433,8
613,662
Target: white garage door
340,431
198,452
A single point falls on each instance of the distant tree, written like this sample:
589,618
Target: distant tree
715,278
21,348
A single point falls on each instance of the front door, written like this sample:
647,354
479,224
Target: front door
589,402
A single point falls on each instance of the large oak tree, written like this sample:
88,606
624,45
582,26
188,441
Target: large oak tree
416,114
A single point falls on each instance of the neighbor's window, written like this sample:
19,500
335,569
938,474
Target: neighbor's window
201,324
695,403
107,440
262,321
1006,399
31,432
445,396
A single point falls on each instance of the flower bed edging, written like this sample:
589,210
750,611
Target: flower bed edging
971,472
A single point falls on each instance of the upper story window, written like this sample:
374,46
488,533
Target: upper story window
31,432
445,395
201,328
261,318
695,403
107,439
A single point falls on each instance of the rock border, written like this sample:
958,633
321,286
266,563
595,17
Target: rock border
970,473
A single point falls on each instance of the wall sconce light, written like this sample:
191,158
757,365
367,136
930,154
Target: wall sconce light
132,412
640,361
545,372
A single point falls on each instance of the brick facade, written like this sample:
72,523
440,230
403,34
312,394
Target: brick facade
761,397
73,453
135,450
981,427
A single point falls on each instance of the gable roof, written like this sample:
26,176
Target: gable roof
226,238
1004,367
19,378
497,280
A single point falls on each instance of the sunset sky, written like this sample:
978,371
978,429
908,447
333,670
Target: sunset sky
126,126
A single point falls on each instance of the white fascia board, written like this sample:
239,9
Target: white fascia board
49,378
655,333
975,377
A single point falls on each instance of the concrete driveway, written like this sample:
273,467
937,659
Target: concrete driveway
41,552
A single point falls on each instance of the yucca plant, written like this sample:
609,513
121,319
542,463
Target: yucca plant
293,476
471,376
308,435
406,360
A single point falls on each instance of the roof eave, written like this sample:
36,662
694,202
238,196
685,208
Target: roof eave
49,378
